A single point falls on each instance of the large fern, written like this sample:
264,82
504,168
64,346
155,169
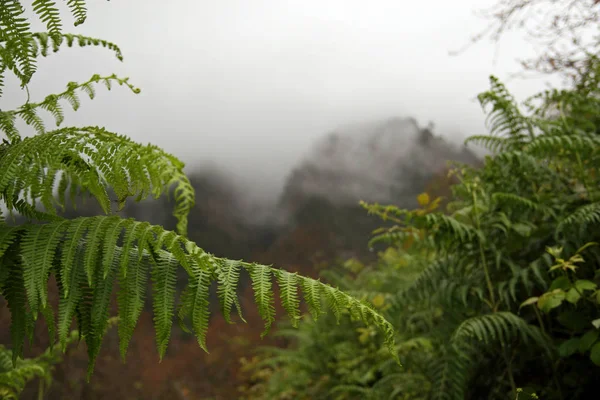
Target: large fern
89,256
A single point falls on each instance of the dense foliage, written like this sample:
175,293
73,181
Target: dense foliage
86,257
494,296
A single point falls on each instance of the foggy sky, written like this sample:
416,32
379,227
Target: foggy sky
251,84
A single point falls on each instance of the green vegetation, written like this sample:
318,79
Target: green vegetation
492,293
14,377
495,296
86,257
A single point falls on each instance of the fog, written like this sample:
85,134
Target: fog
250,85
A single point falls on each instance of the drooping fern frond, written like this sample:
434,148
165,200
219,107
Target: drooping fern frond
503,327
581,218
93,159
87,257
78,10
48,14
492,143
44,41
551,146
516,201
450,372
448,228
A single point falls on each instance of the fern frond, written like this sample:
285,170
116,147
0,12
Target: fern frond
583,217
13,378
13,381
42,42
312,296
78,10
451,373
17,51
133,277
492,143
426,283
29,111
48,13
505,117
516,201
228,274
94,159
503,327
164,277
13,290
86,278
530,277
195,304
289,294
551,146
263,293
449,227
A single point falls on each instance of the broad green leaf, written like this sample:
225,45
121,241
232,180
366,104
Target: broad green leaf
584,284
529,301
587,340
568,347
573,296
595,354
562,282
551,300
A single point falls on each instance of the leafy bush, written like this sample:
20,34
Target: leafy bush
495,296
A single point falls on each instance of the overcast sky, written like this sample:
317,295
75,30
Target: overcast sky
251,84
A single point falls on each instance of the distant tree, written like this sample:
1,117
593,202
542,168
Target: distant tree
566,31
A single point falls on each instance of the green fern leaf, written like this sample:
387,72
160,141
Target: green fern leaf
263,293
78,10
48,13
288,286
228,274
133,277
164,278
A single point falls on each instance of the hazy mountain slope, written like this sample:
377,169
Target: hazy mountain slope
389,161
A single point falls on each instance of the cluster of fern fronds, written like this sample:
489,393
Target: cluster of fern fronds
15,377
495,296
88,257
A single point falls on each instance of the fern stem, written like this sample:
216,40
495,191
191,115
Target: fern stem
40,395
583,178
488,280
509,371
540,320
